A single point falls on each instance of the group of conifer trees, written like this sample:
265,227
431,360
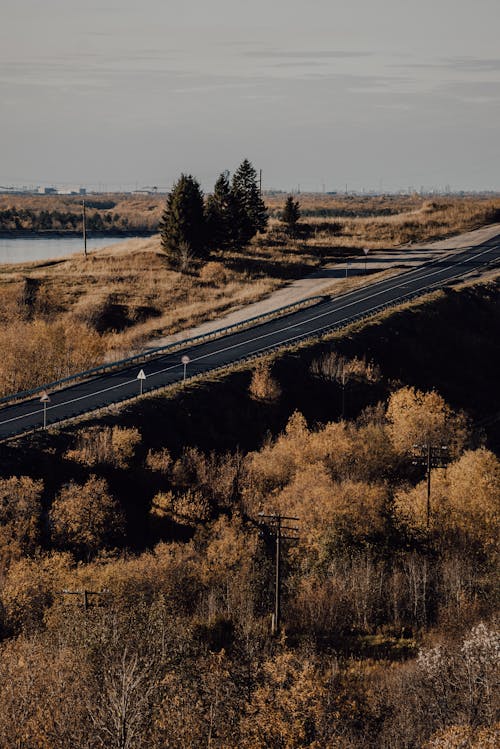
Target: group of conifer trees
228,218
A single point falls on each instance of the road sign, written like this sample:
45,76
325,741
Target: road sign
185,359
45,398
141,377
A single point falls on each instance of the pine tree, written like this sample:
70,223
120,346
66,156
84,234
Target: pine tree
251,212
183,220
221,214
291,215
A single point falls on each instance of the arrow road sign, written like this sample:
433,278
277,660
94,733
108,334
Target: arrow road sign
141,377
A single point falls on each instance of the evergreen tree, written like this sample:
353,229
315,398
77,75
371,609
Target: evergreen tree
183,220
291,215
221,214
251,212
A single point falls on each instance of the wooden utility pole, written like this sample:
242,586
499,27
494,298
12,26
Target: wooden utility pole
431,456
85,594
84,228
274,525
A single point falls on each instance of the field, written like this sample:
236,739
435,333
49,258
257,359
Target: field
65,315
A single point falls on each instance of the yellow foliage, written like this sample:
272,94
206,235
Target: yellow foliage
114,445
30,586
289,706
465,497
417,418
189,506
20,511
33,353
159,460
263,386
466,737
230,550
86,517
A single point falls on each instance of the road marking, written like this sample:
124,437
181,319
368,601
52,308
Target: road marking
415,271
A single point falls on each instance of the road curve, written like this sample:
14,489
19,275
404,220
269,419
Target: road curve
103,390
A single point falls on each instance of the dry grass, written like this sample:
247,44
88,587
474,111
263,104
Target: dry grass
64,315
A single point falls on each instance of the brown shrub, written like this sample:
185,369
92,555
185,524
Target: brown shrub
263,386
113,445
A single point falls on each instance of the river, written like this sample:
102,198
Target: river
26,249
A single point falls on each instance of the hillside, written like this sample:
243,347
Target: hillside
388,635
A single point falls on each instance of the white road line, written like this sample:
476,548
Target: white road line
266,335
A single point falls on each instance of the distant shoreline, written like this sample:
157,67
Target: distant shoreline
73,234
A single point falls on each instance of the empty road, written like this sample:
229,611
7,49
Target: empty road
103,390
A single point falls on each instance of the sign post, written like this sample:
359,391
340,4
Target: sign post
185,360
45,398
347,267
141,377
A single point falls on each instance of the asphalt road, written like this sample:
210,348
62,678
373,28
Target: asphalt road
121,385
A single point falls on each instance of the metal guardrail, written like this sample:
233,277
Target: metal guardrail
301,339
154,352
296,340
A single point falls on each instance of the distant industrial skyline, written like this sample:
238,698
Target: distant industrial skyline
385,96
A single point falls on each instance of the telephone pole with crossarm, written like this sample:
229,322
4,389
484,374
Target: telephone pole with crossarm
280,527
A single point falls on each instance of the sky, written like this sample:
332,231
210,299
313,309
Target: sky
324,94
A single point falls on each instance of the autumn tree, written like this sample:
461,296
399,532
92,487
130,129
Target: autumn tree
466,501
86,517
418,418
20,513
263,386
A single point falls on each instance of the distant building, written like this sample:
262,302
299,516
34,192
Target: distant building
50,191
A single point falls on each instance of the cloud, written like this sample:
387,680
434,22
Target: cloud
464,64
313,54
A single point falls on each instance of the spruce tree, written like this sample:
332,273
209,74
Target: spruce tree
183,220
251,212
291,215
221,214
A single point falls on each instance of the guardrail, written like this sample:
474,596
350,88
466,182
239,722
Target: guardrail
294,340
159,350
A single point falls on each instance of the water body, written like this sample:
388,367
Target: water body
25,249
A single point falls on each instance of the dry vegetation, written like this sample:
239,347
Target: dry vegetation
59,317
62,214
389,640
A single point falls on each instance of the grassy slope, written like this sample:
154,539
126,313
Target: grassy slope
127,294
448,342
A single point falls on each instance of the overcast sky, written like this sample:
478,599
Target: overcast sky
368,93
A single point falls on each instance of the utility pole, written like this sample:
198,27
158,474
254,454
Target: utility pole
430,456
274,525
260,182
85,595
84,228
342,381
